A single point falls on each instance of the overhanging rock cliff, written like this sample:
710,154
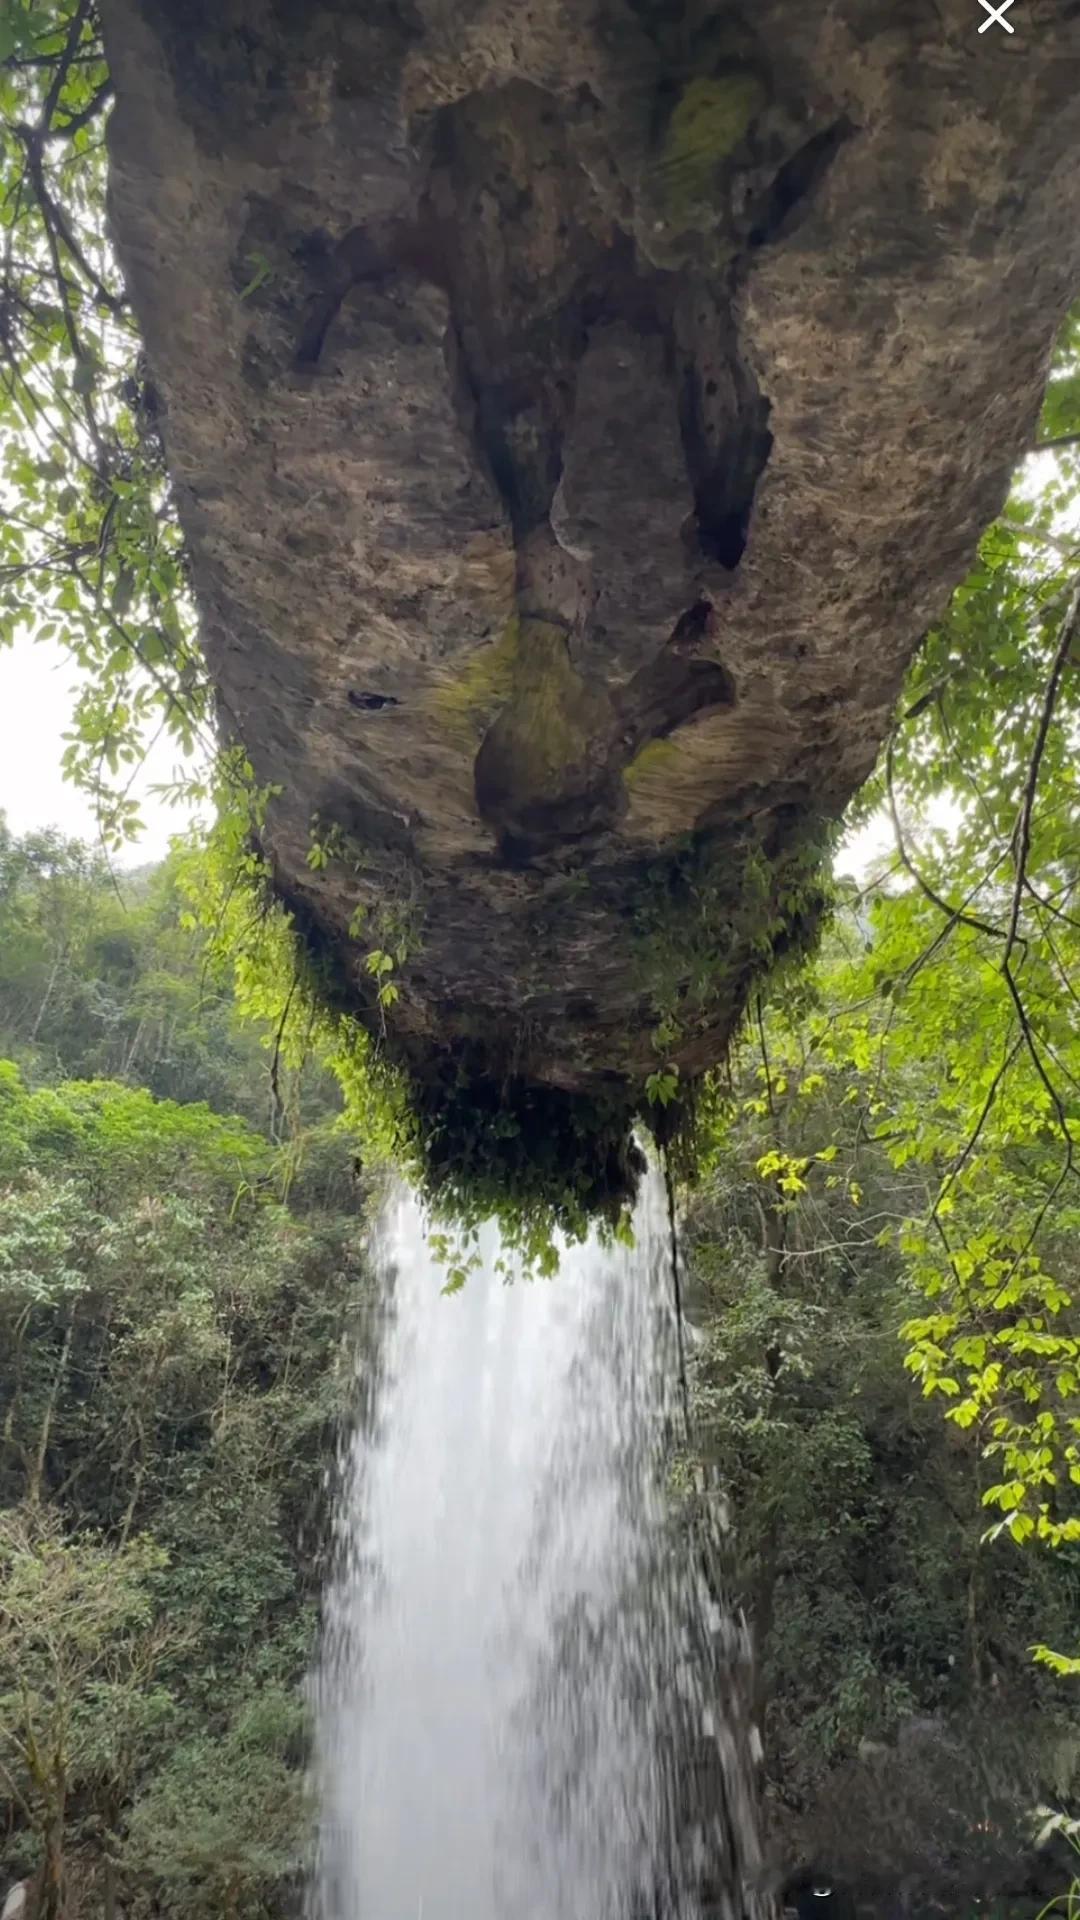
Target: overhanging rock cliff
577,410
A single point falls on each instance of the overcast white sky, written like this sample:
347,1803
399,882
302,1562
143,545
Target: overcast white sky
36,681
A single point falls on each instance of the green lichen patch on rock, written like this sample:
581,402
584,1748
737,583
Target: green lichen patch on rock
543,765
710,119
464,705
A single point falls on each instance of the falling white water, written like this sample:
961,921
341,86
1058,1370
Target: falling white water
513,1699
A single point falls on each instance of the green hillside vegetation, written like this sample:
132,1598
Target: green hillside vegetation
181,1301
909,1731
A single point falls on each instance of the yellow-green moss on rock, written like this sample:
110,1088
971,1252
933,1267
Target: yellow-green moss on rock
466,705
654,757
709,120
541,749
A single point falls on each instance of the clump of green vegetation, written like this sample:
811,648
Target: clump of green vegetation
718,916
476,1143
552,1159
656,756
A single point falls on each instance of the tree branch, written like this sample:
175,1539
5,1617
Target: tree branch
90,112
764,1057
63,67
992,1092
1051,446
1022,841
57,224
1038,534
955,915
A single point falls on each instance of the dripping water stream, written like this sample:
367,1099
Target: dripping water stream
528,1699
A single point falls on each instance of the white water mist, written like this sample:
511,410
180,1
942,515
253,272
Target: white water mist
513,1699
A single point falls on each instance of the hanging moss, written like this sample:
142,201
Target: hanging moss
513,1147
478,1141
545,1160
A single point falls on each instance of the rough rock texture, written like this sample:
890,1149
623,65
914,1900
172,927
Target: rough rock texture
578,409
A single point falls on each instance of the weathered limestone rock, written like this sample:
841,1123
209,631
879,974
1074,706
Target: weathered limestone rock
578,409
14,1907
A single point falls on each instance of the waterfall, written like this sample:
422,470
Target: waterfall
528,1701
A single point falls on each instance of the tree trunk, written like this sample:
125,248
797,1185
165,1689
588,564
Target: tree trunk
46,996
36,1474
132,1050
576,415
51,1889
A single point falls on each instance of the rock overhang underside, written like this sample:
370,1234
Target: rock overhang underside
576,415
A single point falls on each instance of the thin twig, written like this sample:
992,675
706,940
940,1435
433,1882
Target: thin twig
1051,446
1027,804
275,1085
1022,846
115,303
1039,534
37,175
676,1286
63,65
992,1093
57,223
955,915
764,1056
168,693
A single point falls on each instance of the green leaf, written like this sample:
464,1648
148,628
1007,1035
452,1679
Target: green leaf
261,272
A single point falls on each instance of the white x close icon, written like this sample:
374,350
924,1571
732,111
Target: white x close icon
997,15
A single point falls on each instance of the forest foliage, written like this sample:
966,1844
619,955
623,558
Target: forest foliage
181,1301
909,1733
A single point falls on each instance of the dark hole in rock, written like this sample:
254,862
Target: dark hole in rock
371,702
725,496
677,684
796,181
725,542
727,443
